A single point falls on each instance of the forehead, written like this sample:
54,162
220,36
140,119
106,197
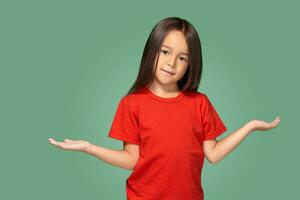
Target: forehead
176,41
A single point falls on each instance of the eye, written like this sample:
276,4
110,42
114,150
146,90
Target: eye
183,59
164,51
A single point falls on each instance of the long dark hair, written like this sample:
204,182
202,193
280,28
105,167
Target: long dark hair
191,79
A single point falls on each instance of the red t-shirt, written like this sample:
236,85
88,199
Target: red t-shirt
170,134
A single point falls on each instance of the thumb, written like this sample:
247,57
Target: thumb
69,141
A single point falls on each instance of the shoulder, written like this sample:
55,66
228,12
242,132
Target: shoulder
131,98
199,96
131,102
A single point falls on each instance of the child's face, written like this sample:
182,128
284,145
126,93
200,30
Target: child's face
172,57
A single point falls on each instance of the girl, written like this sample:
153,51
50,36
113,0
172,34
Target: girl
166,125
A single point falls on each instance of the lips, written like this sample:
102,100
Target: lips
172,73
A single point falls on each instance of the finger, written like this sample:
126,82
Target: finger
52,141
69,141
73,141
61,145
275,122
66,146
278,119
55,143
79,141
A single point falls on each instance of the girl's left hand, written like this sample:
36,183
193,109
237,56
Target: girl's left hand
259,125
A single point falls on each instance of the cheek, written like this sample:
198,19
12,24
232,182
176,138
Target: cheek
160,61
157,62
182,72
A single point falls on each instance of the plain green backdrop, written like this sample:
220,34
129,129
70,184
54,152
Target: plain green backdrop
66,64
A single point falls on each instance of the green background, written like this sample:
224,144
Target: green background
65,65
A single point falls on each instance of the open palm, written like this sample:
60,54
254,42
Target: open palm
263,126
73,145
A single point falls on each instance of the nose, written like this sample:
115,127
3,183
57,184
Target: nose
172,61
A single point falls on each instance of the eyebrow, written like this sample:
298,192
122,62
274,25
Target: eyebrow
171,48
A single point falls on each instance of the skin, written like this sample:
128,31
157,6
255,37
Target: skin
215,150
171,59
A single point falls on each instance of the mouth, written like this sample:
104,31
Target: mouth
168,72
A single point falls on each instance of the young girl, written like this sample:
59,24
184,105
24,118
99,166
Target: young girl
166,125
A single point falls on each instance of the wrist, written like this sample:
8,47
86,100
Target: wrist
88,149
251,126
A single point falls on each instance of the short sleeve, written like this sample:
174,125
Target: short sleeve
125,123
212,123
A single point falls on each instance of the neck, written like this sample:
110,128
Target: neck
165,91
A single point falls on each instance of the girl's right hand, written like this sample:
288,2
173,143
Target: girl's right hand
73,145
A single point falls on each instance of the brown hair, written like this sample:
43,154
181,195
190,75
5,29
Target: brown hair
191,79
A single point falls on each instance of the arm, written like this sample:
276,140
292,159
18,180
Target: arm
125,158
215,150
